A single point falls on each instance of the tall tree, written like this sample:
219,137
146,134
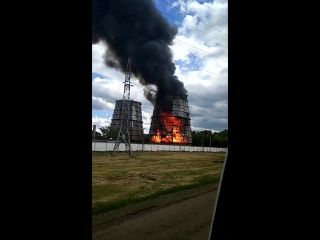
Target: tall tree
105,131
97,136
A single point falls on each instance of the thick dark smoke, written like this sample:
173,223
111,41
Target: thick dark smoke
135,29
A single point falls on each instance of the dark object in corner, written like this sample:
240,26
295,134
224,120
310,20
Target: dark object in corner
219,161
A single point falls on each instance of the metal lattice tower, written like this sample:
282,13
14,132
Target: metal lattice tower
123,135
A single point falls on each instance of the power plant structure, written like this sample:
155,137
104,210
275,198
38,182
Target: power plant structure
123,124
135,119
172,125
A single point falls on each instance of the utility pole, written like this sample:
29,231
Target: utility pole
123,135
210,145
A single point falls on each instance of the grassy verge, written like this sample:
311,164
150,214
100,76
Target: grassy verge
104,207
122,180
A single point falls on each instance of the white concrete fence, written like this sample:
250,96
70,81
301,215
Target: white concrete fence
108,146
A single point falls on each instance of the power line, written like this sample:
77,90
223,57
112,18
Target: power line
206,53
200,70
212,73
203,70
194,17
193,27
215,11
209,54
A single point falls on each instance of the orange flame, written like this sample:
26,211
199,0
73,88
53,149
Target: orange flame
172,125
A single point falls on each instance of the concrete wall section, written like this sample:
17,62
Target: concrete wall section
108,146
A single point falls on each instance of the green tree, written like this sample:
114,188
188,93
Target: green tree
218,139
105,132
97,136
113,133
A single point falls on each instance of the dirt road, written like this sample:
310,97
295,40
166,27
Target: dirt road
185,215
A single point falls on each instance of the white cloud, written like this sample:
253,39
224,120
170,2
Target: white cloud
101,104
202,129
100,122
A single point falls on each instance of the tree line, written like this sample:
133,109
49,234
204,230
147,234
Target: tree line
204,138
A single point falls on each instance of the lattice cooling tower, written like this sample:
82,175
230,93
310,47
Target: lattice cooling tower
171,126
135,119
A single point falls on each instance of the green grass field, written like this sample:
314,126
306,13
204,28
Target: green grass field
122,179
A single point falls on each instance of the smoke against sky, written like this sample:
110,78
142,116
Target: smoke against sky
135,29
208,93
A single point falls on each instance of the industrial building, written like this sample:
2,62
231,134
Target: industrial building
135,119
171,126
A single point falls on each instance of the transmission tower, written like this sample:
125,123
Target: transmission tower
123,135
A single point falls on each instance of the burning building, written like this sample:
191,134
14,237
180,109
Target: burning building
172,123
135,29
135,119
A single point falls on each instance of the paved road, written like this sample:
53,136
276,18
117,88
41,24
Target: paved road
186,220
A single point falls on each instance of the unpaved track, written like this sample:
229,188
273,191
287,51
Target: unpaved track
186,215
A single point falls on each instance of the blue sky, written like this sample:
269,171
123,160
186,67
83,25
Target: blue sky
95,75
198,57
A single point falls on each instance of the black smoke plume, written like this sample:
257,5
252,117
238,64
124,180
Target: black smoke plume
135,29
